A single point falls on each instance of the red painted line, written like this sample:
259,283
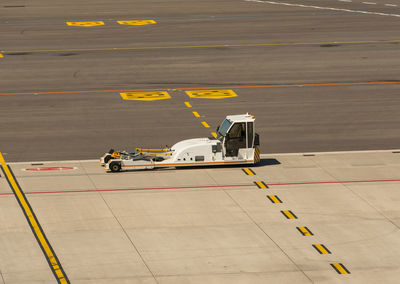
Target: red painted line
334,182
211,87
205,186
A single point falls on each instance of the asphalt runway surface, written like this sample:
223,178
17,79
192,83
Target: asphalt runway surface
318,75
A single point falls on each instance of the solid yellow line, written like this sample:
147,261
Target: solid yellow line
188,104
205,124
31,219
214,134
205,46
196,114
340,268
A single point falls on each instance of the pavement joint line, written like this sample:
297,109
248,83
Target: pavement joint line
122,227
263,231
199,46
37,230
211,87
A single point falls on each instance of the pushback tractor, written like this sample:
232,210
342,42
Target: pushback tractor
236,144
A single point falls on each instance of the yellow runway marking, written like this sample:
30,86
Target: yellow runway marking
211,94
206,46
321,249
37,230
196,114
1,55
261,184
214,134
248,172
274,199
188,104
145,96
205,124
340,268
305,231
289,214
137,22
86,24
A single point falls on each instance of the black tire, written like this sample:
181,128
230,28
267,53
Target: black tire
107,158
115,167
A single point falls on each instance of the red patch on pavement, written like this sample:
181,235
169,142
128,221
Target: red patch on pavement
42,169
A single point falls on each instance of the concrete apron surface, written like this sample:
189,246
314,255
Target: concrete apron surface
324,218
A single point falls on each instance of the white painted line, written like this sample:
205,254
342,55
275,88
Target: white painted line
391,5
369,3
329,153
324,8
344,0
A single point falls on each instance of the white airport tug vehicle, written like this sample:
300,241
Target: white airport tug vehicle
236,143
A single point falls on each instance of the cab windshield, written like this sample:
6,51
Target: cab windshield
223,129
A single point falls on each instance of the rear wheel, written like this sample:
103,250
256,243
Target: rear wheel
115,166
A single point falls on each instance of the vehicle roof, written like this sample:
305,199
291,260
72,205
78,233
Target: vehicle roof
241,118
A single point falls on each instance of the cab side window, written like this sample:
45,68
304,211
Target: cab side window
238,130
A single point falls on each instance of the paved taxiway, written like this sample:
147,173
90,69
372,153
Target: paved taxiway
209,225
207,44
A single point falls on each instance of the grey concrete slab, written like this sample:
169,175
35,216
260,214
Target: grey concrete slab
21,259
385,200
88,240
220,233
256,278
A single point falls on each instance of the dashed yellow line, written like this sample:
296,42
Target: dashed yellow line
321,249
37,230
274,199
305,231
1,55
86,24
205,124
289,214
188,104
196,114
214,134
248,172
340,268
260,184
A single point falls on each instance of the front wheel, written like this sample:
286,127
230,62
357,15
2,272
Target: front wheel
115,166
